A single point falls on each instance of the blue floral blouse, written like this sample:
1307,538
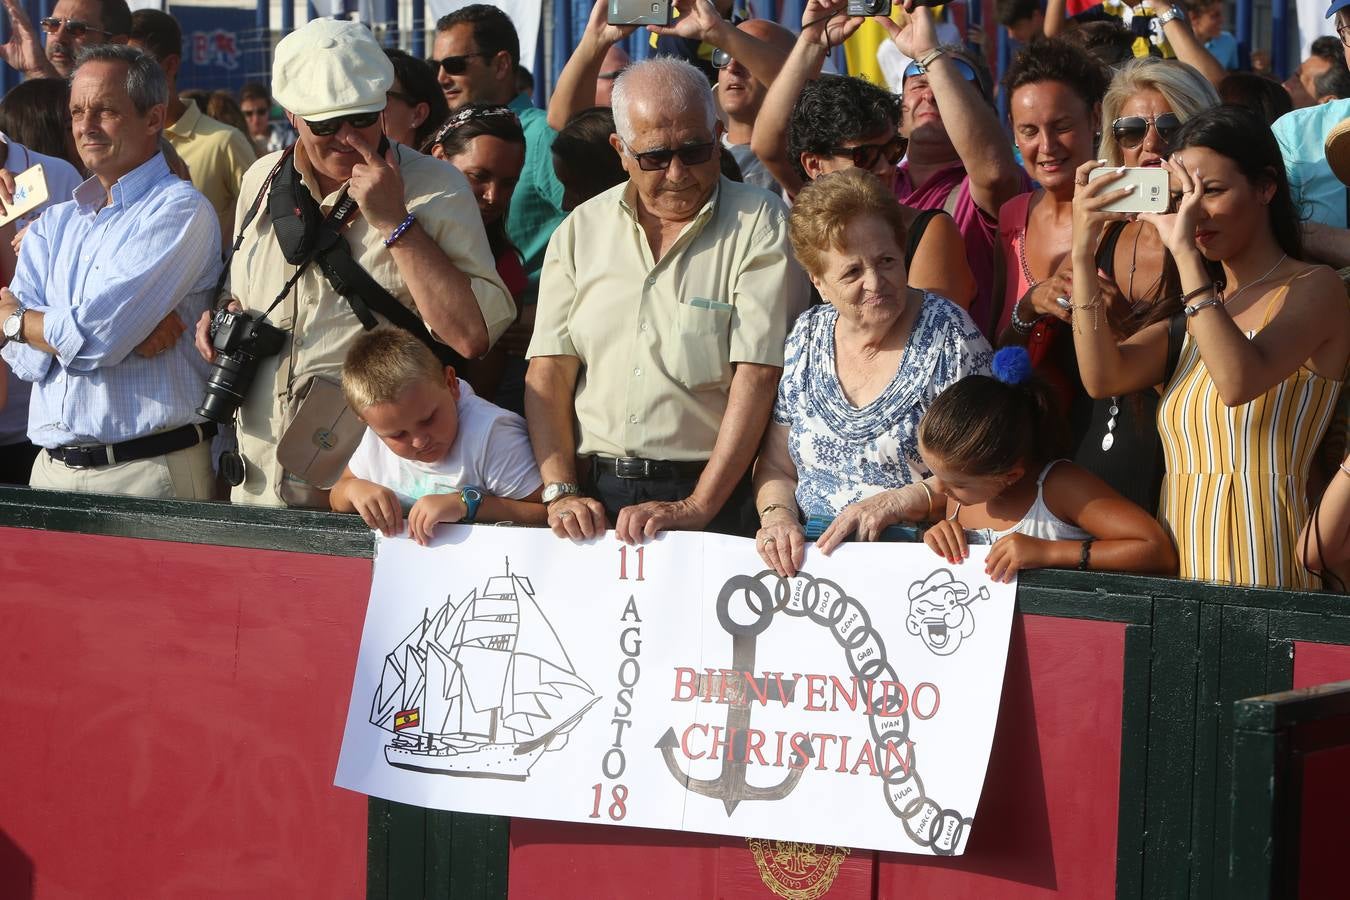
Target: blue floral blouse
844,453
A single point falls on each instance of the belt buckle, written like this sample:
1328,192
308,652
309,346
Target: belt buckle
631,467
77,457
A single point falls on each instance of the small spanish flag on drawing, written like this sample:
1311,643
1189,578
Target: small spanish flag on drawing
406,719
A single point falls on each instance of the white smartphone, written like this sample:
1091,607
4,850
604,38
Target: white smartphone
30,192
1150,194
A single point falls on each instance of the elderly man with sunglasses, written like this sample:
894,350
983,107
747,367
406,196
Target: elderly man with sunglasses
72,26
745,58
415,230
659,340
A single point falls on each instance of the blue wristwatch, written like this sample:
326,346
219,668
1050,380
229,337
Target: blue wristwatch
472,497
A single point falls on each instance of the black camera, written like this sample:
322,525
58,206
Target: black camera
240,342
868,8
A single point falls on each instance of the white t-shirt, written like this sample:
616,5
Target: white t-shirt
491,452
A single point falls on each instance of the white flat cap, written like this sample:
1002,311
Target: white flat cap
328,68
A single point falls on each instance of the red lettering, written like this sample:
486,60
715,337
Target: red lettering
800,744
837,688
824,738
752,687
815,684
717,741
756,740
687,679
843,754
937,700
684,740
865,756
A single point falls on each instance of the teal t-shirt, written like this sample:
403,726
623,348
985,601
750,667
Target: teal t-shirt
1302,136
536,206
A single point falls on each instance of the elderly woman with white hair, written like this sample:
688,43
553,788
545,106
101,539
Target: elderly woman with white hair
663,307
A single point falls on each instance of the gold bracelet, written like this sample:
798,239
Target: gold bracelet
770,508
929,509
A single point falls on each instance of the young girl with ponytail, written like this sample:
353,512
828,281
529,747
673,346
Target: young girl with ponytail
991,445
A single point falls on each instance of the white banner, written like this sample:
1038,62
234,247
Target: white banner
679,685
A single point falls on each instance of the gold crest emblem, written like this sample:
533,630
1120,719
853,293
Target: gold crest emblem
796,871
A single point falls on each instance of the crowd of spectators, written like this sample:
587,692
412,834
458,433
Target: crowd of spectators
719,288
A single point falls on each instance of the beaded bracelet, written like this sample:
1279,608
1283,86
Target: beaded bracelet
1085,556
398,232
1020,325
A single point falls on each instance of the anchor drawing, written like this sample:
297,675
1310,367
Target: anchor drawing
730,785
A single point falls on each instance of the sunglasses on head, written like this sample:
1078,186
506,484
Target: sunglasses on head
865,156
458,65
74,27
966,69
659,160
1130,131
331,126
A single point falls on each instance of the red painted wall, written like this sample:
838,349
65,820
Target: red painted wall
171,720
1326,789
1046,826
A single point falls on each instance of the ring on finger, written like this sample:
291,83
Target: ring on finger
770,540
565,513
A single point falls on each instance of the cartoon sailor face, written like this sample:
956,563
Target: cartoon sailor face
938,614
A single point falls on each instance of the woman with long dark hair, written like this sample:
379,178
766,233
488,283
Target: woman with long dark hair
1262,362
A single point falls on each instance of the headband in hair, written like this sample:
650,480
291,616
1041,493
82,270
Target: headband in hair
468,114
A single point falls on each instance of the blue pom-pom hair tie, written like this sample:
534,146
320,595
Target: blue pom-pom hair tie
1012,365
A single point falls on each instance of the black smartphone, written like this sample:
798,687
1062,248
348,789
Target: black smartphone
640,12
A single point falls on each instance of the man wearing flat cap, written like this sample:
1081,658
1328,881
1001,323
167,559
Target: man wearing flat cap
409,222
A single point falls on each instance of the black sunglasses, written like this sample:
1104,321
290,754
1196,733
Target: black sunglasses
1130,131
458,65
659,160
865,156
331,126
74,27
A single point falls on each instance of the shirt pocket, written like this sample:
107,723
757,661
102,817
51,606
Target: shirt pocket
699,358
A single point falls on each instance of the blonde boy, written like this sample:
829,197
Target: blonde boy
432,446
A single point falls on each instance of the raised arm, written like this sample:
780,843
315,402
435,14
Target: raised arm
1105,367
1056,18
969,119
700,21
1186,45
1314,319
575,89
823,26
23,50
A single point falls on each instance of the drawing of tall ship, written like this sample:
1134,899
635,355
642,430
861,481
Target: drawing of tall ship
481,689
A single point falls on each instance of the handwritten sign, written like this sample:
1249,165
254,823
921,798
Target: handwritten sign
680,685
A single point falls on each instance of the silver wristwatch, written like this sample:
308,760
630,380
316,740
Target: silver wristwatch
558,489
1167,15
13,327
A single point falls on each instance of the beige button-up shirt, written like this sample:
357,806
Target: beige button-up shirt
321,323
657,340
217,156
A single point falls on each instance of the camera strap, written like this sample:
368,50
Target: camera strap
305,236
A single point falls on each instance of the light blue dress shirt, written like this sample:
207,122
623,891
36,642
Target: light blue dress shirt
104,275
1302,136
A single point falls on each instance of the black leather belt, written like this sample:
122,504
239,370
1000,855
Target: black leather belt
637,468
95,455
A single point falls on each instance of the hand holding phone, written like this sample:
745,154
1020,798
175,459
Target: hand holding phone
1148,187
639,12
30,192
